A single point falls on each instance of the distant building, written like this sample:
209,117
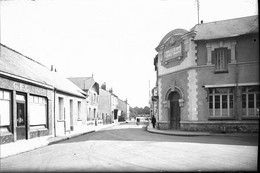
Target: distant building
114,106
104,104
154,104
122,106
208,77
91,87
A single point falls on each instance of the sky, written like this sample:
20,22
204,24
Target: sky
113,40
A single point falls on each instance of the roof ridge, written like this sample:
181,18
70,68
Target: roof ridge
226,20
23,55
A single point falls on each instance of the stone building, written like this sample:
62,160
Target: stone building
208,77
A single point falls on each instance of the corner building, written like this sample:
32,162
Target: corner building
208,77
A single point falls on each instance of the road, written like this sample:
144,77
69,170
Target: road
129,147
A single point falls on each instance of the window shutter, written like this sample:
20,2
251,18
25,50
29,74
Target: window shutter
213,57
229,55
226,58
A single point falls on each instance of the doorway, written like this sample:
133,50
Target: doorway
71,116
21,113
174,110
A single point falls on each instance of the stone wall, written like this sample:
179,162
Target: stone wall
222,126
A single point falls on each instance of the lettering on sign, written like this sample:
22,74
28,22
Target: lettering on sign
17,86
20,86
173,52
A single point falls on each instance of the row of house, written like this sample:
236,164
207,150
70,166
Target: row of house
36,101
208,77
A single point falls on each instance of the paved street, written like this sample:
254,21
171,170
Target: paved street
129,147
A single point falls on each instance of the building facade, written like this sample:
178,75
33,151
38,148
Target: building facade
34,101
208,77
122,106
26,101
104,105
91,87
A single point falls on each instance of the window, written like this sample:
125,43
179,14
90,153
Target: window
5,108
89,114
61,109
79,110
38,110
221,57
250,101
95,98
221,102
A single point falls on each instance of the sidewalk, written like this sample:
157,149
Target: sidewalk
190,133
28,145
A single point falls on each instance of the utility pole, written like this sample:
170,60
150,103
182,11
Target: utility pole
198,9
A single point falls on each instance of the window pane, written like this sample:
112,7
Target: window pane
253,89
5,112
7,95
217,102
224,101
222,90
210,102
257,100
250,100
244,89
20,97
31,99
230,101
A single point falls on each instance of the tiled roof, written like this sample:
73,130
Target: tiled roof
14,63
226,28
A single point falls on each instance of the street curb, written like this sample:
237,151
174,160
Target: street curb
69,137
202,134
47,143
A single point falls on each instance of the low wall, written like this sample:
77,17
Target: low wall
222,126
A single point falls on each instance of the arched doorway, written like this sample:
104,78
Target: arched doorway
174,110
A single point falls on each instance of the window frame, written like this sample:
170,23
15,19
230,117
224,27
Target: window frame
221,58
42,101
61,109
8,128
229,102
79,110
247,93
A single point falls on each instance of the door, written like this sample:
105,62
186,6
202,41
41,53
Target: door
174,111
71,115
21,129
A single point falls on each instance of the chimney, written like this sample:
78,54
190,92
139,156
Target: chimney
201,21
51,67
104,86
111,90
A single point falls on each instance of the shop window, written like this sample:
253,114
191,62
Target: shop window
5,109
220,102
221,57
38,110
250,101
79,110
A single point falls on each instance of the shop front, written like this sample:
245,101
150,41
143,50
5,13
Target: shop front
25,110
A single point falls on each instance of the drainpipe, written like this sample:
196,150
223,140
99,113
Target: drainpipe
237,93
54,113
